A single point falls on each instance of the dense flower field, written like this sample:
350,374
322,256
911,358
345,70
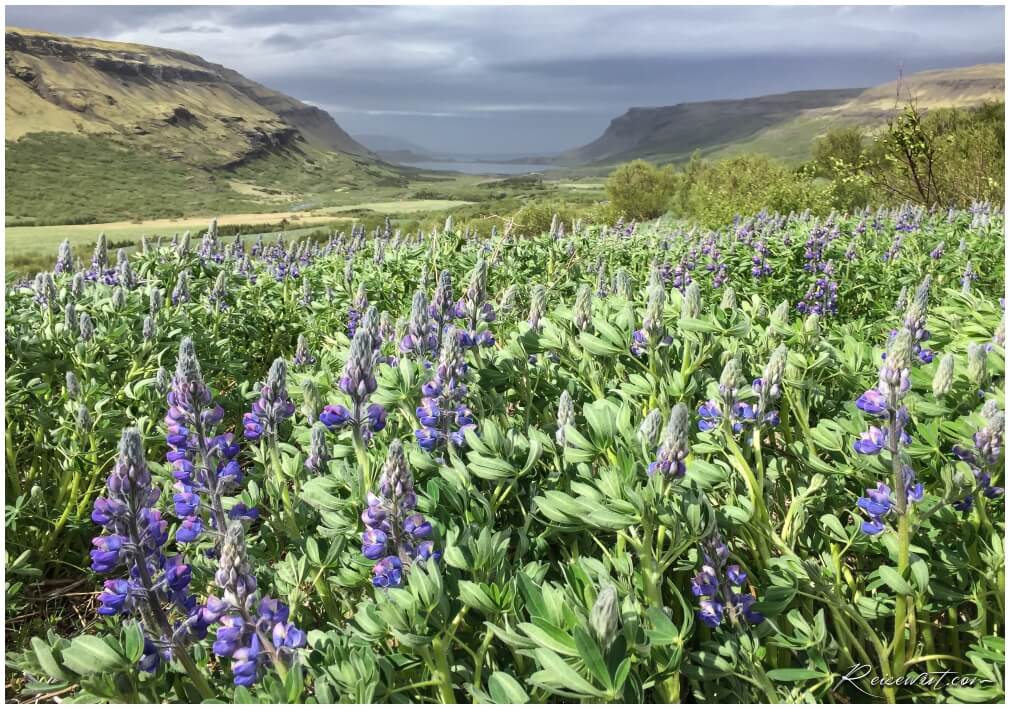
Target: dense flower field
628,463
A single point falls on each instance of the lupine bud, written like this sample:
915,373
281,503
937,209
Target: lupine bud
728,301
156,299
605,616
999,337
319,450
162,381
538,304
781,312
812,325
45,289
148,329
902,301
653,326
183,248
729,379
303,356
582,314
976,363
64,258
447,229
86,328
771,378
73,386
989,409
944,377
651,427
118,298
476,292
233,573
566,416
622,284
84,421
899,354
124,272
77,285
508,299
100,257
180,294
691,307
312,403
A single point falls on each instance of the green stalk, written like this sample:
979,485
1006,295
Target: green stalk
442,672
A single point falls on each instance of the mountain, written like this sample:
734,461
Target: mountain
170,115
783,125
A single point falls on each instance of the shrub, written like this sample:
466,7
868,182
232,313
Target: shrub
640,190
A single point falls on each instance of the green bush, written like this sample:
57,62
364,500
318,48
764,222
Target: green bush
640,190
748,184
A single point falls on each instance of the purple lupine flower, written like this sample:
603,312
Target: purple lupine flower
253,642
156,585
303,356
420,338
674,446
273,407
218,295
653,332
443,415
358,382
720,588
395,537
937,252
64,258
204,465
475,309
879,502
319,450
984,457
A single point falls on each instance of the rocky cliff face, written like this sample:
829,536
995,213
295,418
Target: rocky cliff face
176,103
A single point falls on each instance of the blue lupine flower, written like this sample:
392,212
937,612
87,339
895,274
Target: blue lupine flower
879,502
674,446
395,535
719,588
443,416
273,407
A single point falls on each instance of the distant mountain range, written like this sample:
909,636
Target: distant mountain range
783,125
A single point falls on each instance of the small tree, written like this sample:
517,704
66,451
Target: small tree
640,190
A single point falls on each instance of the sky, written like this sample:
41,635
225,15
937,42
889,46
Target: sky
528,80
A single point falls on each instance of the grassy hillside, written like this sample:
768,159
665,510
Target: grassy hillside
782,125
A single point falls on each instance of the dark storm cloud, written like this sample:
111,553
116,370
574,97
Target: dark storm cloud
527,79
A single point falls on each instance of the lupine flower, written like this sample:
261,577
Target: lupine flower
180,294
984,457
420,338
967,277
218,295
202,463
395,536
64,258
937,252
879,502
442,308
566,416
653,332
720,588
252,642
77,285
273,407
45,289
118,298
622,284
156,300
156,586
674,446
443,415
358,383
148,330
84,422
124,273
303,357
475,309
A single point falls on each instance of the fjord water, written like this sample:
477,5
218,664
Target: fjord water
481,168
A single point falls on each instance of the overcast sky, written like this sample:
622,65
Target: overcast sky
526,80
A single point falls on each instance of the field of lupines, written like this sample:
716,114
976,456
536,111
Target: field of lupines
638,463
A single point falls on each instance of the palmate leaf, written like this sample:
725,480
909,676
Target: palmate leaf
559,677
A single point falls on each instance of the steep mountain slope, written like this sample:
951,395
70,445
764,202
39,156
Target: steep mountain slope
178,117
782,125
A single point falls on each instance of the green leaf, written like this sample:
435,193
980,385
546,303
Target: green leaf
48,663
89,654
505,689
591,656
892,578
794,674
558,674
